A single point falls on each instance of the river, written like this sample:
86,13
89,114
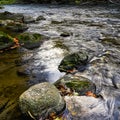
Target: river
95,29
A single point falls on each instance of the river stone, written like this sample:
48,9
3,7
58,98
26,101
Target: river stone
28,19
31,40
11,16
79,84
41,100
86,108
6,41
16,27
73,60
40,18
65,34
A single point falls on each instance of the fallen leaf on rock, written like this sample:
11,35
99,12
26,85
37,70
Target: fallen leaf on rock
89,93
64,91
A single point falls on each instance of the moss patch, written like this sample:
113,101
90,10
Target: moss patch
60,44
31,40
75,84
7,1
5,40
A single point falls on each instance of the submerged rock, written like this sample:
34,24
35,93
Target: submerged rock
84,108
41,100
72,61
40,18
80,85
28,19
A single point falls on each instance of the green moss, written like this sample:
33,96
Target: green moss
59,44
5,37
12,34
31,37
5,40
75,84
73,61
7,1
31,40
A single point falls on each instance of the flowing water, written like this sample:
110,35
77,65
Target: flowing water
95,29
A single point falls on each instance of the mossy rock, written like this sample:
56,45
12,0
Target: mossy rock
31,40
80,84
11,16
16,27
111,41
41,100
73,60
6,41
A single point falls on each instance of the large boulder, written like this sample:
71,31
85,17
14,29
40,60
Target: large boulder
11,16
41,100
73,60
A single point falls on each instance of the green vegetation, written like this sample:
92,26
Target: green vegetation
7,1
75,84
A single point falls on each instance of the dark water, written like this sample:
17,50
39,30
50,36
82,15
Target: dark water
95,29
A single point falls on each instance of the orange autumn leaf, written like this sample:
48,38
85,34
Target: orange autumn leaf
16,41
89,93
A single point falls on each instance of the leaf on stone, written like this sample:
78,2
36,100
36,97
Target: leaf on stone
64,90
89,93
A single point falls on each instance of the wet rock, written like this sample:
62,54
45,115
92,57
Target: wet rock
72,61
6,41
31,40
40,18
80,85
16,27
11,16
84,107
60,44
56,22
28,19
22,71
41,100
65,34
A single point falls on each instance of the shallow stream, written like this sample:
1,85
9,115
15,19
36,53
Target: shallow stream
95,29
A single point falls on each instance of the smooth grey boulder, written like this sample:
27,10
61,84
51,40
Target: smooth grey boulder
40,100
